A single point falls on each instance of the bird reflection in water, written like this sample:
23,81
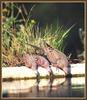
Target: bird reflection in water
45,87
57,87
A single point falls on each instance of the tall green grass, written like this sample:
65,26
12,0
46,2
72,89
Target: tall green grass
16,36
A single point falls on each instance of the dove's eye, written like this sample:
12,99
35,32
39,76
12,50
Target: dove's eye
36,59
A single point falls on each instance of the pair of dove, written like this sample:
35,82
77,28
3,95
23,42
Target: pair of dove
53,58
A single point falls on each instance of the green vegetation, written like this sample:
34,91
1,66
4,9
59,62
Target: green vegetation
16,36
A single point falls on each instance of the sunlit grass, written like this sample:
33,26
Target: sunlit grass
16,36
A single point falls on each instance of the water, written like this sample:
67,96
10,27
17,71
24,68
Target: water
59,87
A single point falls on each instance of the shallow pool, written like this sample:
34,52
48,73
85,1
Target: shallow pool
44,88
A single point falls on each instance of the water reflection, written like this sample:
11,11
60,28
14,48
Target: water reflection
58,87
